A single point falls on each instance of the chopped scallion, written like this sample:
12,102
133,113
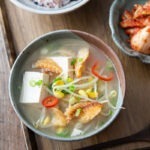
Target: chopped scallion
73,100
110,113
109,65
50,86
56,79
80,59
78,111
73,61
69,80
65,92
72,88
113,94
34,83
101,123
62,132
39,82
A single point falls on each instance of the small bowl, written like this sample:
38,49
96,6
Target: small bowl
118,34
16,75
30,6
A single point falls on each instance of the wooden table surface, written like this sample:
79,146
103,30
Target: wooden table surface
18,27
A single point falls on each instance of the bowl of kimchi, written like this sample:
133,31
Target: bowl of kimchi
129,22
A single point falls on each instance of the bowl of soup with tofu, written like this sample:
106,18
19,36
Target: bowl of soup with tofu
67,85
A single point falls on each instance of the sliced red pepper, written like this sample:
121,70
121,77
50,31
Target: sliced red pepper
94,67
50,101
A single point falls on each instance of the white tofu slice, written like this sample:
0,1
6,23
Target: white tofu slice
65,64
36,93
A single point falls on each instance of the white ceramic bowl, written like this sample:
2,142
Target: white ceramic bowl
30,6
16,77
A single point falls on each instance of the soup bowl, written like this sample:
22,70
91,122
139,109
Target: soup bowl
23,60
30,6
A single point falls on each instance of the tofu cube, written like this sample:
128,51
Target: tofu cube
65,64
33,90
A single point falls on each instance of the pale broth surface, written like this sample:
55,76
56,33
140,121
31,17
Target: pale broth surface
70,47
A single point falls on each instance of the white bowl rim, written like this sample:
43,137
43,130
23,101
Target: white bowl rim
50,12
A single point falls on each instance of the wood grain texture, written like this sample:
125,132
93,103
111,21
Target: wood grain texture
11,133
92,18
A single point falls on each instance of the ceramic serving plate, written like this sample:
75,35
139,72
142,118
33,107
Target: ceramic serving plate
118,34
24,58
30,6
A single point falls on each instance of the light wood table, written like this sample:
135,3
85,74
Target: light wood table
19,27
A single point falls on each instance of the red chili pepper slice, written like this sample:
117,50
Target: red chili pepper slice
94,67
50,101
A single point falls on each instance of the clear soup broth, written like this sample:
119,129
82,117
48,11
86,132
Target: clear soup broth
69,118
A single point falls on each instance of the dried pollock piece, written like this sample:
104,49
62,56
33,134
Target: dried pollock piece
82,56
89,110
59,119
48,65
70,111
